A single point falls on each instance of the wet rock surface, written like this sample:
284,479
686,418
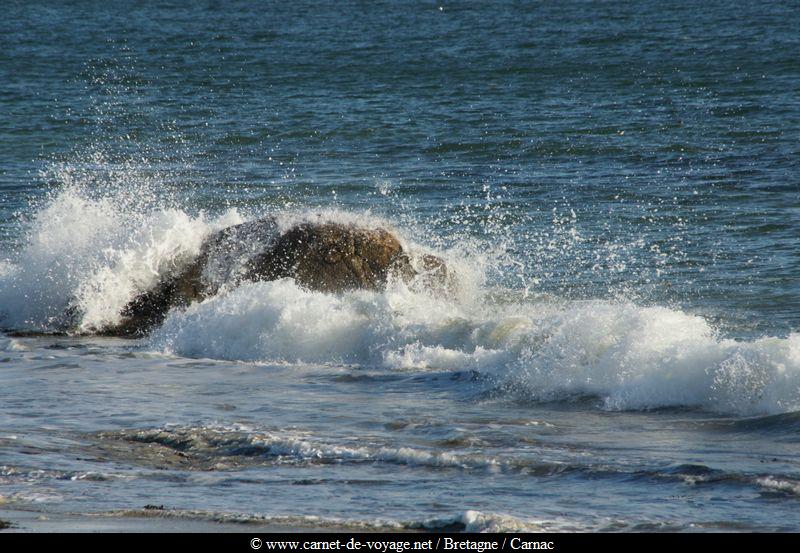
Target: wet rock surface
324,257
331,258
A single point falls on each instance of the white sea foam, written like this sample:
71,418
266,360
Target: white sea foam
293,446
11,344
632,357
312,522
7,269
638,358
87,255
477,522
770,483
469,521
94,255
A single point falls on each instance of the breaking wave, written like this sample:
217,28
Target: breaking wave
86,255
631,357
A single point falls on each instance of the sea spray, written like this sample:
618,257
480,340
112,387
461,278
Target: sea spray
630,357
109,232
88,256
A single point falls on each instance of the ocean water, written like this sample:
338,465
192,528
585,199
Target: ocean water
615,185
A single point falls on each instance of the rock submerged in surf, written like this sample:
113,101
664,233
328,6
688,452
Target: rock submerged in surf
323,257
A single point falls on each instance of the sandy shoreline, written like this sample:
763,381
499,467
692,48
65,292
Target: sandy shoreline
24,521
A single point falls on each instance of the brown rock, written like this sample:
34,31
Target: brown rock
324,257
330,257
223,257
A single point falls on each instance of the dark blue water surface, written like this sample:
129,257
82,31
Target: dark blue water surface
644,152
671,123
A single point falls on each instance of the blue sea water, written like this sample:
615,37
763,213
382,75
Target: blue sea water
616,185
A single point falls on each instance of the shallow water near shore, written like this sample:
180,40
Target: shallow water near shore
615,187
100,426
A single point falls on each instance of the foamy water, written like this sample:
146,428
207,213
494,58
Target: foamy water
365,389
615,193
537,349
